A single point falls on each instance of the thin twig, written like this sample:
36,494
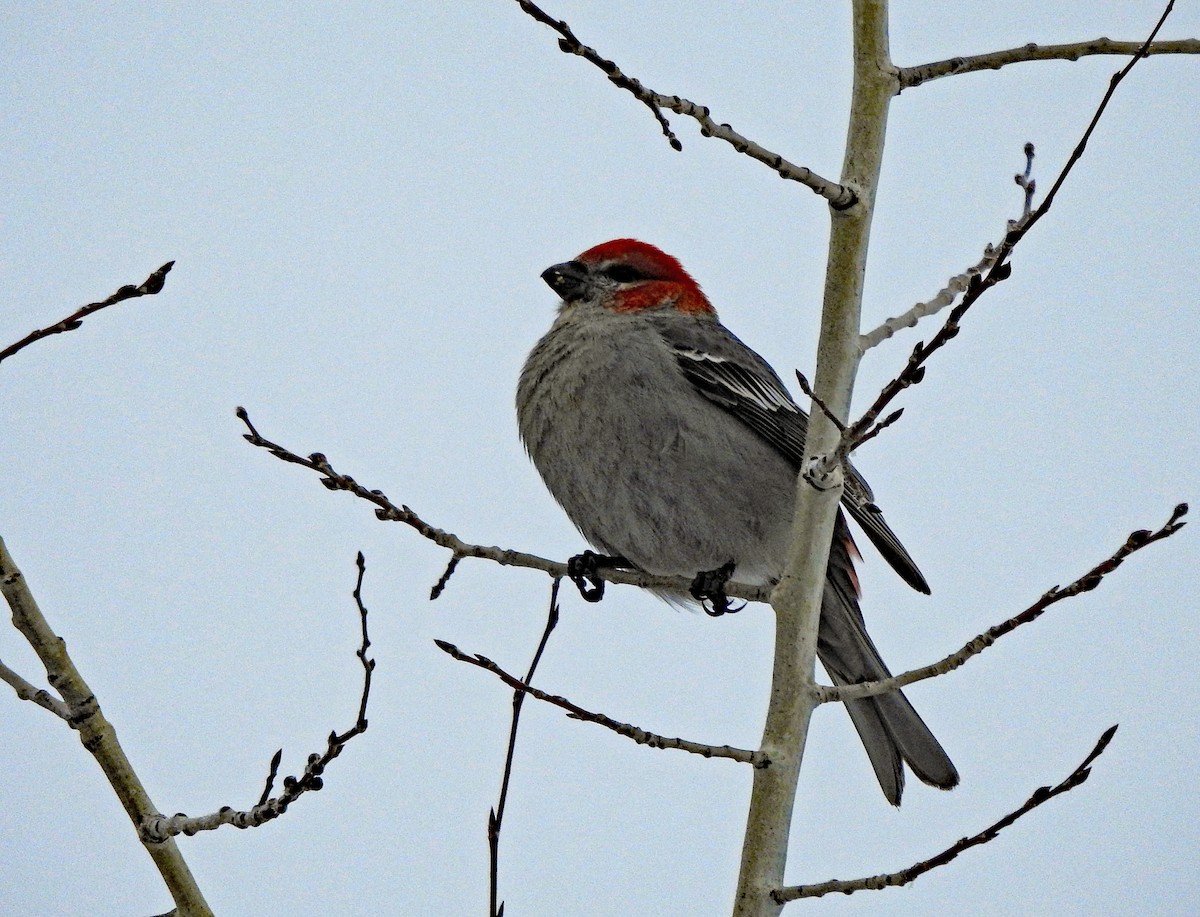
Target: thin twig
905,876
959,283
994,60
1025,180
272,773
390,512
641,736
1086,583
157,829
496,815
839,197
816,399
148,287
943,299
440,586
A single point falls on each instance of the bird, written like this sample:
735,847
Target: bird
674,449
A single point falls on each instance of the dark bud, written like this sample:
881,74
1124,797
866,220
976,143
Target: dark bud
154,283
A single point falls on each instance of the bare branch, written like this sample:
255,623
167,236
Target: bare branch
1017,233
994,60
1086,583
95,731
959,283
944,298
390,512
839,197
641,736
990,833
28,691
496,815
1001,270
148,287
156,829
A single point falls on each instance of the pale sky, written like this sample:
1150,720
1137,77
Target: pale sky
359,200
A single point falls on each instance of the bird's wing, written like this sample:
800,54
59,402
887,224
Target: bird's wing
730,375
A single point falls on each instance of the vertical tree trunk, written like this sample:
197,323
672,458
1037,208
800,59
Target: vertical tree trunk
797,599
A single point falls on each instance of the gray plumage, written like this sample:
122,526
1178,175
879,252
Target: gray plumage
670,443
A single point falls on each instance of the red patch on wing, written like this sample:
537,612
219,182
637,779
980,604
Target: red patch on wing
852,550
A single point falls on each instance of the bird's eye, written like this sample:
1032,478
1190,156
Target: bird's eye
623,273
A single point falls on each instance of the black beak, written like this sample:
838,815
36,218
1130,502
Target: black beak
569,279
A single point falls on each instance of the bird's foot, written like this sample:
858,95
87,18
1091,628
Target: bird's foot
708,588
584,571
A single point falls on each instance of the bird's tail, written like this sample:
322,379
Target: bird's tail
892,732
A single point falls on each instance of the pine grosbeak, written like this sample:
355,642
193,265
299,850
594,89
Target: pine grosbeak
674,448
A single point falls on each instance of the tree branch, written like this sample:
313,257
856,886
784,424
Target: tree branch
496,815
960,282
990,833
148,287
97,733
28,691
994,60
157,829
1086,583
390,512
914,371
641,736
944,298
839,197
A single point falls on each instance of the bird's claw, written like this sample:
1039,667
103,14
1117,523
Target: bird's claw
583,570
708,588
